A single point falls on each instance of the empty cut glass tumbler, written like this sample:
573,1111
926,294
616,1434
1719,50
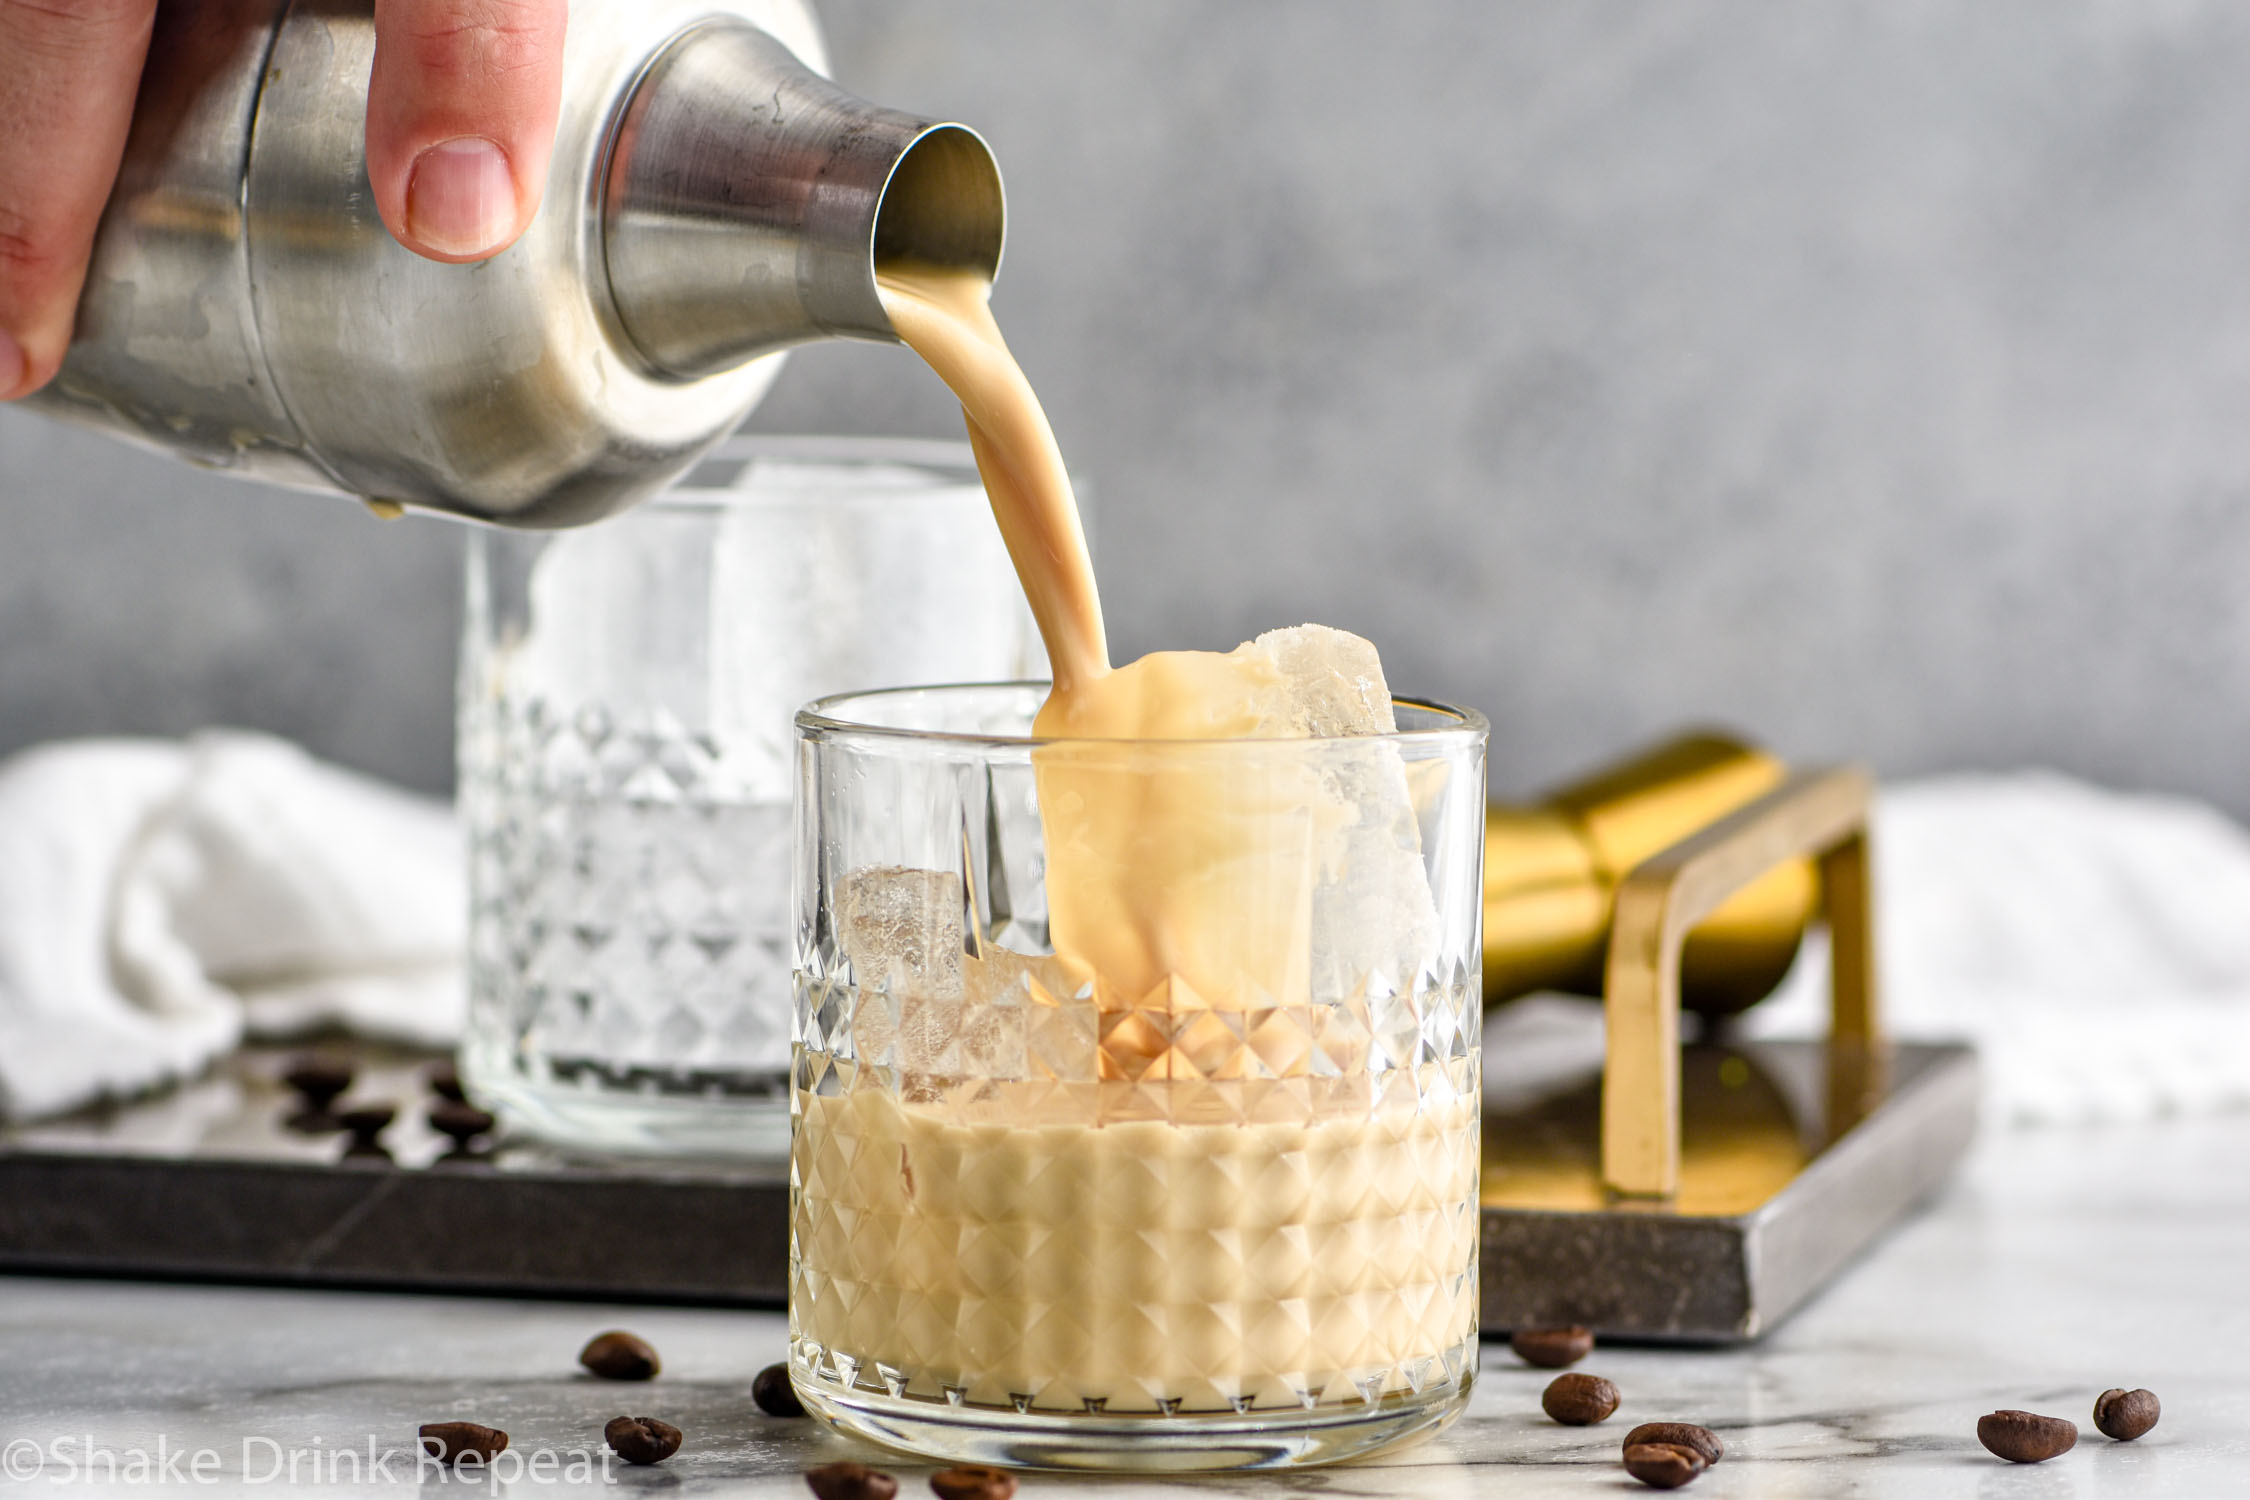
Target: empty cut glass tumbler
627,759
1047,1212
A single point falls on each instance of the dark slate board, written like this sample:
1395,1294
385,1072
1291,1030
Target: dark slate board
205,1183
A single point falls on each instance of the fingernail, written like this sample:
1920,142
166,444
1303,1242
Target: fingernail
461,198
11,365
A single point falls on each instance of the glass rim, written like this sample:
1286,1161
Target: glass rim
952,463
844,447
819,717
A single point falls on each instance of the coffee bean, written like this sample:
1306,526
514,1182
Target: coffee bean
463,1122
445,1082
850,1481
1702,1440
367,1121
972,1483
2023,1437
618,1355
1663,1466
1579,1400
1552,1348
2125,1415
775,1396
318,1079
450,1442
642,1440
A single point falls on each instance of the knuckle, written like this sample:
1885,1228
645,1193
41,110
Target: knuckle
29,260
62,28
482,40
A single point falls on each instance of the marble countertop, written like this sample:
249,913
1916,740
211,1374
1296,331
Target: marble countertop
2061,1262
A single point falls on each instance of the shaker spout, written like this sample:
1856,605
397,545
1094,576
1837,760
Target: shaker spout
748,201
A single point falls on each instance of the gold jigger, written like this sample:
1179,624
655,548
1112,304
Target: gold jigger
1551,873
1697,1192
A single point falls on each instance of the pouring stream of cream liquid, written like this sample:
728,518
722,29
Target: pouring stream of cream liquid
944,314
1200,878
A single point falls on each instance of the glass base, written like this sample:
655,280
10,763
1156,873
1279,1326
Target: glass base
617,1121
1125,1444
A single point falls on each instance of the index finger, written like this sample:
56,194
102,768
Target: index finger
67,84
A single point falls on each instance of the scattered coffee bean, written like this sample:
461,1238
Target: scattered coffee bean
642,1440
1663,1466
850,1481
618,1355
445,1082
368,1151
318,1079
450,1442
1702,1440
2125,1415
1552,1348
1579,1400
367,1121
775,1396
463,1122
2023,1437
971,1483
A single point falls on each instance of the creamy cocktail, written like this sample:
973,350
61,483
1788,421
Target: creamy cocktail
1033,1204
1136,1082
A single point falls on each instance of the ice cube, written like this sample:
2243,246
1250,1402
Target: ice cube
1331,682
1004,991
1373,919
902,930
1374,922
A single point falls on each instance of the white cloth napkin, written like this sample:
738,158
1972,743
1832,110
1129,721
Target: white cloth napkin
2095,945
159,899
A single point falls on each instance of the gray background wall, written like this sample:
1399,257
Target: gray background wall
1874,376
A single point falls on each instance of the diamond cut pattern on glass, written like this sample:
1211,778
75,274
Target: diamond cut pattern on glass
630,911
1017,1190
1006,1256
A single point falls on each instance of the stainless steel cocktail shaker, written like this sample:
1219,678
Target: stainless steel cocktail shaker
712,200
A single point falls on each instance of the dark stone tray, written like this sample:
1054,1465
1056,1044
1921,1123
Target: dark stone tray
206,1183
1772,1204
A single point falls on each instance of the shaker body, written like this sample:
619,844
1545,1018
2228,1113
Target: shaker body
166,349
246,309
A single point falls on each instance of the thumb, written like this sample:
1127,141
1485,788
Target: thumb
461,119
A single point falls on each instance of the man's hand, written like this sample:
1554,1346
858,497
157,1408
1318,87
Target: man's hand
460,121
